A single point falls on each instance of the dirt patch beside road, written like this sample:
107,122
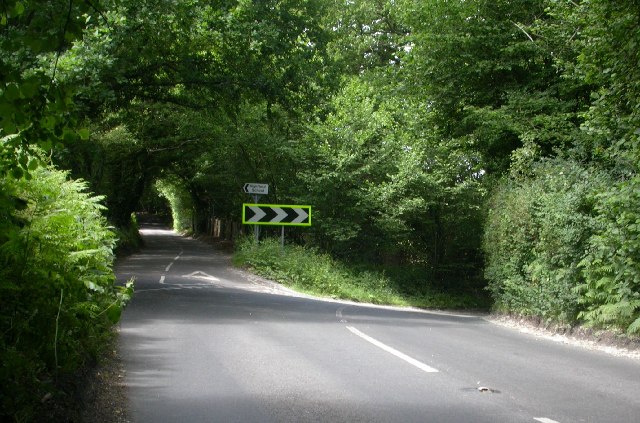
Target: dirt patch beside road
104,397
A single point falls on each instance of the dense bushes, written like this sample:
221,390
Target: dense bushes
536,232
610,293
562,244
57,294
572,253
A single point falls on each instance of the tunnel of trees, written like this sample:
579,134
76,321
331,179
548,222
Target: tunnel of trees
490,144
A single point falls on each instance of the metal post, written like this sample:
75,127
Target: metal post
256,228
282,239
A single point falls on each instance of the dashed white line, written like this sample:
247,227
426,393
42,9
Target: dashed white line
162,279
420,365
544,420
176,258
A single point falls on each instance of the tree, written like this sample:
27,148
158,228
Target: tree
505,92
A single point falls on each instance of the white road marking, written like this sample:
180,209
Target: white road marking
162,279
198,274
420,365
176,288
176,258
544,420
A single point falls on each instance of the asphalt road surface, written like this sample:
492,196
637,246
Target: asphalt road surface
203,342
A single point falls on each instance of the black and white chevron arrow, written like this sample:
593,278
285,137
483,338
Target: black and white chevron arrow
276,214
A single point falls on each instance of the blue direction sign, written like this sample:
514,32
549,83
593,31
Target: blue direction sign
276,214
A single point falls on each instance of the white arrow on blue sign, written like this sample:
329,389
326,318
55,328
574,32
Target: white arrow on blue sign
276,214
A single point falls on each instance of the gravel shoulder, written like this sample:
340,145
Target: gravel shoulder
104,397
607,341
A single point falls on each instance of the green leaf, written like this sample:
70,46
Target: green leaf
114,312
84,134
634,328
18,9
33,164
17,172
12,92
30,87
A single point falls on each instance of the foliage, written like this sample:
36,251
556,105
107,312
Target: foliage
606,37
309,270
537,231
57,293
501,82
115,164
34,107
365,35
610,293
609,42
180,202
128,239
386,190
393,118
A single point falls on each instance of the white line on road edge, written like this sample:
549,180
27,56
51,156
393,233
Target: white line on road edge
544,420
393,351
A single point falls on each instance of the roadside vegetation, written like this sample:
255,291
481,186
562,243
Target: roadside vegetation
309,271
57,295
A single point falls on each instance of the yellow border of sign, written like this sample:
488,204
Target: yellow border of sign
245,205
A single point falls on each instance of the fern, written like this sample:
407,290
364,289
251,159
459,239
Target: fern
56,241
611,266
634,327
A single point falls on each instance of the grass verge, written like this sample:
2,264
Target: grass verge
312,272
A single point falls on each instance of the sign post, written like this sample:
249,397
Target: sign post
256,190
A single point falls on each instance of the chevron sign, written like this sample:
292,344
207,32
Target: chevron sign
276,214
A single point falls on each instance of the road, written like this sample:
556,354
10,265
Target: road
203,342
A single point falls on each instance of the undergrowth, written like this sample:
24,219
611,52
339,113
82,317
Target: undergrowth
313,272
58,298
128,238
